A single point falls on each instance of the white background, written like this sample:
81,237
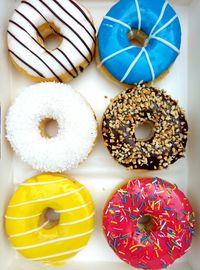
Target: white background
100,173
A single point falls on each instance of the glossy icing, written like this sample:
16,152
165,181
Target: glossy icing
172,228
131,109
73,25
68,198
130,64
74,139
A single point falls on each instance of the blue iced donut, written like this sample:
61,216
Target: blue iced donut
128,63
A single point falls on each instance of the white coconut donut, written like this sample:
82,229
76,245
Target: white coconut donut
33,21
77,127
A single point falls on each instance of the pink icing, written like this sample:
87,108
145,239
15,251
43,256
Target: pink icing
170,234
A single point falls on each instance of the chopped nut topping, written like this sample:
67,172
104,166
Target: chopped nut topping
134,107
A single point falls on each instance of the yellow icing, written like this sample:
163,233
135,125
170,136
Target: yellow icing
23,224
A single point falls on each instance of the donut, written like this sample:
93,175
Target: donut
33,22
149,223
77,127
50,218
152,24
132,109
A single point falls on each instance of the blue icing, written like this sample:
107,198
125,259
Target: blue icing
169,13
138,71
113,37
175,39
125,11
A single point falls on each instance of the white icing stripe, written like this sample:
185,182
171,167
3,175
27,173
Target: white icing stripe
117,21
43,183
139,14
114,54
132,65
167,44
73,208
150,64
22,218
43,225
77,221
160,17
46,199
165,25
54,241
58,211
30,231
57,254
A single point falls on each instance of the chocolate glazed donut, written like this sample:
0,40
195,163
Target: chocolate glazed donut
133,108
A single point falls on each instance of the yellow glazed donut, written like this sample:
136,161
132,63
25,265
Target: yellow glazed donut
50,218
36,21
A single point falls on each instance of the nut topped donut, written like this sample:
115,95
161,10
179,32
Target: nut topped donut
138,41
33,22
134,108
149,223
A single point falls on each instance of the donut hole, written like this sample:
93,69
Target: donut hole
52,41
138,38
50,36
49,218
146,223
145,131
48,128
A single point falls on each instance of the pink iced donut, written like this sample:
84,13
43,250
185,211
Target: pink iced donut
149,223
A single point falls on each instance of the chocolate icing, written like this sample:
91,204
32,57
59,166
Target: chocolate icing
132,108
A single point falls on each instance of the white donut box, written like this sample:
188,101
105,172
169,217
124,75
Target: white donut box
100,173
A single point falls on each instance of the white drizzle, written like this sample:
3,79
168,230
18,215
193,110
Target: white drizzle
77,221
139,14
43,183
30,231
115,54
57,254
43,225
167,43
165,25
117,21
132,65
22,218
54,241
150,64
47,199
57,211
160,17
73,208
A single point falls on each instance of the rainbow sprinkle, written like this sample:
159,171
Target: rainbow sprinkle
152,199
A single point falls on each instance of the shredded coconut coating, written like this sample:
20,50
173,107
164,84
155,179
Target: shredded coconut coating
131,109
77,127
